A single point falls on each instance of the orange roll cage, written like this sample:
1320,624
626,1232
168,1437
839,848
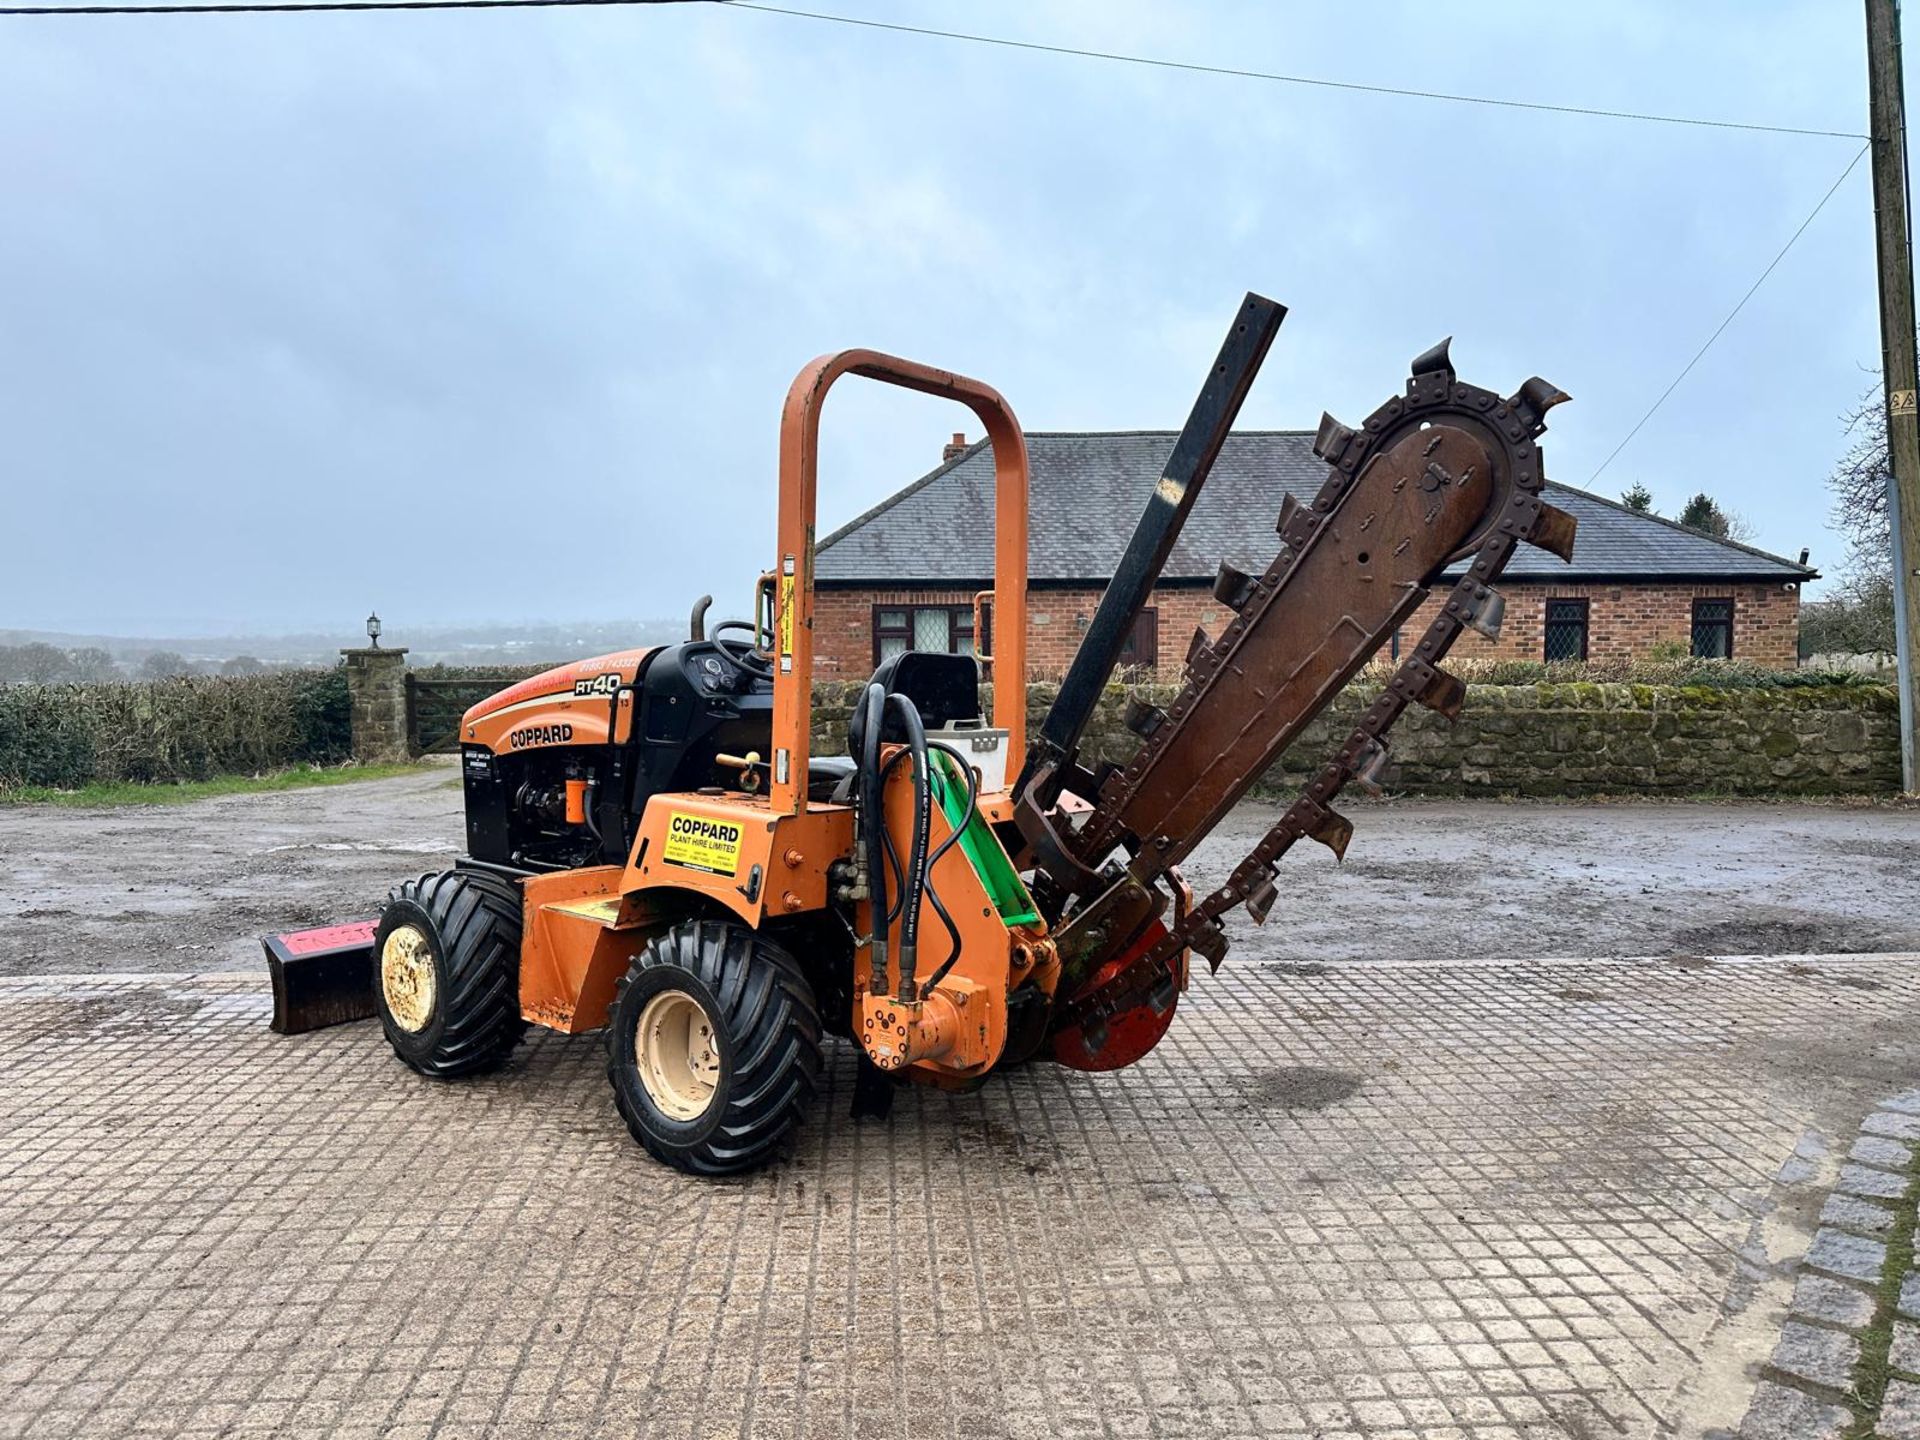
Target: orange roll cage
790,601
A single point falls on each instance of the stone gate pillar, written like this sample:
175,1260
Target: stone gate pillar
377,690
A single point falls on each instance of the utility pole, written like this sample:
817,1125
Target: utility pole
1887,112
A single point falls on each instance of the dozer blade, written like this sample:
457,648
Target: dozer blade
321,977
1445,473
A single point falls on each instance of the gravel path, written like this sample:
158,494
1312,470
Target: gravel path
192,887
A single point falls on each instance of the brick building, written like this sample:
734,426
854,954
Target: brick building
904,574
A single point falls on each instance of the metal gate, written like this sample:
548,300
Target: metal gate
434,708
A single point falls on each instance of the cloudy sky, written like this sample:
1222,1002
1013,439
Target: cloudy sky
476,317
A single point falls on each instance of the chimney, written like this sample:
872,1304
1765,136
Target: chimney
1803,555
954,448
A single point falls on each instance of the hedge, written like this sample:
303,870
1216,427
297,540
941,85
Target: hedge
190,728
193,728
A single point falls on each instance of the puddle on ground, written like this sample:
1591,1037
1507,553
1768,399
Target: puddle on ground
1301,1087
1034,1154
117,1013
1776,937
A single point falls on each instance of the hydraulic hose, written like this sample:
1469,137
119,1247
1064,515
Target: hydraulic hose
953,838
593,804
873,703
915,879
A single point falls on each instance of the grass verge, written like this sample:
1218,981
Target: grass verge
300,777
1875,1367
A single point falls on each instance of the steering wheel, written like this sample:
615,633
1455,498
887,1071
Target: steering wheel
744,653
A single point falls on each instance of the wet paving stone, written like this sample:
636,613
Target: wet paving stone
1511,1217
1817,1355
1900,1413
1873,1183
1851,1257
1880,1151
1818,1297
1863,1217
1781,1413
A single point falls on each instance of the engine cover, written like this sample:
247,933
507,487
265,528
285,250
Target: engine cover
567,705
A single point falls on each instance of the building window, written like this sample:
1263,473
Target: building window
1566,630
945,629
1142,648
1713,629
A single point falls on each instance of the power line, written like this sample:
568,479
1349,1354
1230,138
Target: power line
1771,266
264,7
1284,79
310,6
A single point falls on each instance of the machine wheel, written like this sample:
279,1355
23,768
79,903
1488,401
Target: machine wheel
447,973
713,1044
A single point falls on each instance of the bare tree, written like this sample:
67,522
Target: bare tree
244,665
1859,484
93,665
39,663
1857,616
164,665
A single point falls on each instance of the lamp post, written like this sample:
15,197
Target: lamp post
373,630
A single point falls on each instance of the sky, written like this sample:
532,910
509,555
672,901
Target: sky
473,317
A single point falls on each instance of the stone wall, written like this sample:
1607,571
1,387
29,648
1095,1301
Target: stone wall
1624,621
1557,740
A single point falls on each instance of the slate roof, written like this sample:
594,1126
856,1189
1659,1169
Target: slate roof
1087,490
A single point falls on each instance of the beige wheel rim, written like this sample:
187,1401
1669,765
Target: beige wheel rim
407,980
678,1054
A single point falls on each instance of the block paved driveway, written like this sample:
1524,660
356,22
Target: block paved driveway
1392,1199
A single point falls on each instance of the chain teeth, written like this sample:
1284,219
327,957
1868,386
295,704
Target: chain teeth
1260,900
1332,830
1197,646
1296,523
1553,531
1537,397
1372,765
1142,717
1163,994
1232,586
1434,361
1444,693
1486,611
1331,440
1471,603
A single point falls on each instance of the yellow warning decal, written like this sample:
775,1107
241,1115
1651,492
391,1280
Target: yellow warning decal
786,614
700,843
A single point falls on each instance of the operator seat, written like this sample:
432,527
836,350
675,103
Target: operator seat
943,688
